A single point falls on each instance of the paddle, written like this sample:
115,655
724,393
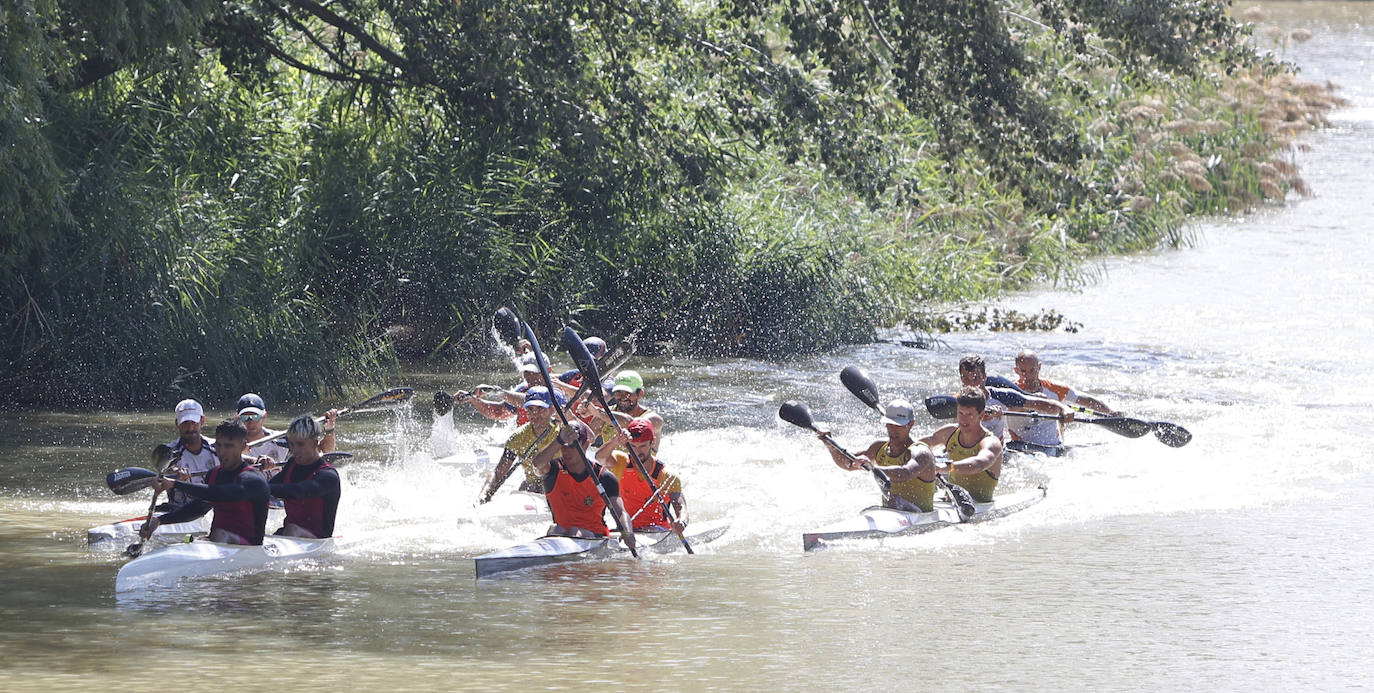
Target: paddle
162,454
797,414
587,365
1171,434
130,480
383,401
946,407
862,386
562,416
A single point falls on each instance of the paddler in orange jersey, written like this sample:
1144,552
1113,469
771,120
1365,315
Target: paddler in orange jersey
628,393
647,510
577,507
975,454
909,465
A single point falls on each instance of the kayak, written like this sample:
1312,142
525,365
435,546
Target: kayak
119,534
878,522
550,550
163,567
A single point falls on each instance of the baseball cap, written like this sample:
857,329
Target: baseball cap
595,345
584,432
898,413
189,410
640,429
538,396
529,365
628,381
608,385
252,404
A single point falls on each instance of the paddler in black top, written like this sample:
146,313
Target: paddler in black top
235,490
307,484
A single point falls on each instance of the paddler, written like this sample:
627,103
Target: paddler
193,455
1041,431
308,486
628,397
1002,395
647,508
909,465
253,413
527,440
975,454
234,489
578,509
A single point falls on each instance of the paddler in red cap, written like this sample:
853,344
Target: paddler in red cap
648,508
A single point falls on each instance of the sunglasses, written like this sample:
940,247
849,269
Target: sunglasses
250,417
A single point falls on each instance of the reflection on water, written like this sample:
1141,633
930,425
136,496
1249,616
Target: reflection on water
1234,563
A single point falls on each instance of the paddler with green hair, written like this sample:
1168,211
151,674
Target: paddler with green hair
975,454
908,464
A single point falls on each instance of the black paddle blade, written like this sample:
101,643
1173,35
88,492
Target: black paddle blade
797,414
1120,425
859,383
130,479
581,356
963,500
507,325
162,454
942,406
1173,435
443,403
332,457
390,399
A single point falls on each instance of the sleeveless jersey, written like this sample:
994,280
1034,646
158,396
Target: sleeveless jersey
1042,431
315,515
576,503
979,484
522,443
245,518
919,493
635,491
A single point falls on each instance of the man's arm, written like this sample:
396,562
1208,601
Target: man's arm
989,451
920,466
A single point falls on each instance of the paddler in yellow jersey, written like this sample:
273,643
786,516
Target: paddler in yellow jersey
527,441
909,465
975,454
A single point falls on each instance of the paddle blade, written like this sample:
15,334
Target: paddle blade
1173,435
581,356
390,399
507,325
942,406
963,500
858,382
1120,425
797,414
443,403
162,454
334,457
130,479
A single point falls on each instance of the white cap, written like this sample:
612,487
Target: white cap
189,410
898,413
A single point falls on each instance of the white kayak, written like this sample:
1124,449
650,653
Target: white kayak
163,567
125,532
549,550
878,522
508,508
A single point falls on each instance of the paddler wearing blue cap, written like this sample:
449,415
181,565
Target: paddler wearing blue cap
527,440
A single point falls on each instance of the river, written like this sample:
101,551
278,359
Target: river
1234,563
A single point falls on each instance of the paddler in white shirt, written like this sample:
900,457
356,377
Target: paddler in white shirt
193,455
975,454
1043,431
252,411
908,464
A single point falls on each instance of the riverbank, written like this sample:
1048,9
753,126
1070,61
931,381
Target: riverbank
745,181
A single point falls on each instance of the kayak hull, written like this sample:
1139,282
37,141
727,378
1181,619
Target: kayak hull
165,566
551,550
880,523
1036,448
125,532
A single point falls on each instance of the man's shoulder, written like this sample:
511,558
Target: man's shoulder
1060,391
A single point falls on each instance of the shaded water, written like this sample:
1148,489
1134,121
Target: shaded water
1236,562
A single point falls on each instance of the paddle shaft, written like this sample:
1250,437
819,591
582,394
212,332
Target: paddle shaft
161,458
562,416
320,419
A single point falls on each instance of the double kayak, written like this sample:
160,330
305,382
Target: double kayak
879,523
163,567
550,550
